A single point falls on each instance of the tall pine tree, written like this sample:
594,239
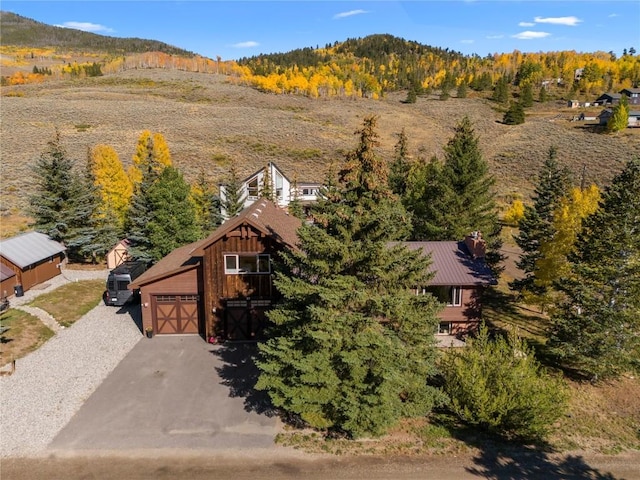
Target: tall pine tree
351,347
233,202
206,204
51,202
173,219
596,331
399,169
536,227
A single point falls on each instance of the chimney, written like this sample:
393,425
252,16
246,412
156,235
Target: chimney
475,244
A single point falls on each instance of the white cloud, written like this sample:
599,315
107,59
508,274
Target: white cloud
612,15
86,27
248,44
494,37
569,21
350,13
467,41
528,35
526,24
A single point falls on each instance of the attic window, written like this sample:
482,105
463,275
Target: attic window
252,188
449,295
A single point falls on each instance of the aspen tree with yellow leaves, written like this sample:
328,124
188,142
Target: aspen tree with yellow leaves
113,184
567,223
152,151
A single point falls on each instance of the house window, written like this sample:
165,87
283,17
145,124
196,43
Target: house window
449,295
309,191
247,263
279,184
253,188
444,328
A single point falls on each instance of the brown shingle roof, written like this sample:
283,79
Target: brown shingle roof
266,217
453,264
181,259
263,215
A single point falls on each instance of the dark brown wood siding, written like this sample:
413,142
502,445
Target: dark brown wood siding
183,283
220,287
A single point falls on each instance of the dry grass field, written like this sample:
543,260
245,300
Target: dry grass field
209,123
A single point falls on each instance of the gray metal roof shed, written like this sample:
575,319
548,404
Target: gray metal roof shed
29,248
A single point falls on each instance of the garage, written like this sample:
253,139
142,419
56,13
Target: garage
175,314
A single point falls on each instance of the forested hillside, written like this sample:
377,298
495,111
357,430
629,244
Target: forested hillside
21,31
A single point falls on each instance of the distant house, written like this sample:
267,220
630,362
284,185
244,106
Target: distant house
573,103
608,99
281,186
607,113
33,256
118,254
633,95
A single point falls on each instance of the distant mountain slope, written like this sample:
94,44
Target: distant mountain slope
22,31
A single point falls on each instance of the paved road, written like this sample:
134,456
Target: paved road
174,392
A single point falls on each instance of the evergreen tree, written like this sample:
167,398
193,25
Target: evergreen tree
400,166
543,95
266,189
497,385
295,206
536,227
233,202
501,91
620,118
430,201
596,331
96,226
173,219
526,95
412,95
140,213
351,347
51,202
462,90
206,205
515,114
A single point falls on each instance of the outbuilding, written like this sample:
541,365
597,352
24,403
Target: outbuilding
34,257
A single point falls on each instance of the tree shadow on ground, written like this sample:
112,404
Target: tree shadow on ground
501,459
240,373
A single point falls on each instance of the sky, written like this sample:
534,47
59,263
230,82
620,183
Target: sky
236,29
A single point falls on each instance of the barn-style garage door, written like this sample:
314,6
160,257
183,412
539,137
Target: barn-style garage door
175,314
245,319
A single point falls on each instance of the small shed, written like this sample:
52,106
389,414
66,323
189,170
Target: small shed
118,254
33,256
8,280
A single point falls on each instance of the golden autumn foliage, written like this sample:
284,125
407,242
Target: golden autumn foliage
110,177
151,149
567,222
514,213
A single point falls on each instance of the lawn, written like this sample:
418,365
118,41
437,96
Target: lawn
70,302
24,333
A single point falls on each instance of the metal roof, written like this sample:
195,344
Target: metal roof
452,264
29,248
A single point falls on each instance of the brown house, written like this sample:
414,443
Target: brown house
33,256
460,276
222,285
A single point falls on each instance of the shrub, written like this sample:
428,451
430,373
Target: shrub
498,386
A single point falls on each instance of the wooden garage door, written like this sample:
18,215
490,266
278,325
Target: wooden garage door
175,314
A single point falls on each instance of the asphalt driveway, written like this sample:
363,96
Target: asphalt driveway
175,392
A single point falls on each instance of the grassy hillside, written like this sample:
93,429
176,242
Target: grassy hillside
209,123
